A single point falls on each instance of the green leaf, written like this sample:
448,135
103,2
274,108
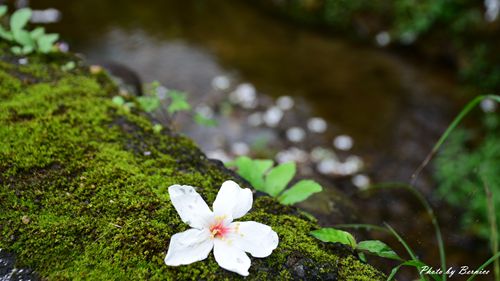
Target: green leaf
149,104
37,33
378,248
16,50
251,170
19,19
23,37
46,42
6,34
362,257
3,10
204,121
334,236
27,49
279,177
299,192
118,100
179,102
262,165
68,66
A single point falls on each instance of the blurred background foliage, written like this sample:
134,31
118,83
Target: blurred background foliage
461,32
469,162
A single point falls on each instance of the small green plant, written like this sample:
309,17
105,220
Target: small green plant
150,102
178,102
372,247
26,41
70,65
274,181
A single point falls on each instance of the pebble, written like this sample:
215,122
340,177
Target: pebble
205,111
95,69
63,47
285,102
273,116
221,82
343,142
219,154
255,119
50,15
316,125
292,154
361,181
320,153
383,38
488,105
25,219
351,165
492,9
295,134
23,61
327,166
240,148
244,95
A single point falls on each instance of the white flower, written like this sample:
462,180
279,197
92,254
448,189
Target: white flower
230,240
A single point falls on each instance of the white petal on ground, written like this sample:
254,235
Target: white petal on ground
343,142
218,154
285,102
190,206
244,95
255,238
240,148
221,82
316,125
295,134
230,257
361,181
255,119
233,200
189,246
292,154
383,38
273,116
488,105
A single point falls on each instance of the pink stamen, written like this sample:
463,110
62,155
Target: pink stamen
218,230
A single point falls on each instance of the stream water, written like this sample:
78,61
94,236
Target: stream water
389,108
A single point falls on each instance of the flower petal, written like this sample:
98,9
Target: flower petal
230,257
255,238
233,200
189,246
191,207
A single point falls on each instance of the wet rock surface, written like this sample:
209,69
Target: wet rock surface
9,272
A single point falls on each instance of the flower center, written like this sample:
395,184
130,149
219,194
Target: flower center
218,229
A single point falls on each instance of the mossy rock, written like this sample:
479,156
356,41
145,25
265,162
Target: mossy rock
83,188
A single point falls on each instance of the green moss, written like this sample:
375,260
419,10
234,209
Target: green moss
81,199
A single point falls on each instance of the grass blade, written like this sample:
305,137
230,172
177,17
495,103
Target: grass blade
363,226
430,212
408,249
468,107
484,265
493,226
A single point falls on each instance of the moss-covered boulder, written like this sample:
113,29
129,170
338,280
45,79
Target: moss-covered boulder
83,188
